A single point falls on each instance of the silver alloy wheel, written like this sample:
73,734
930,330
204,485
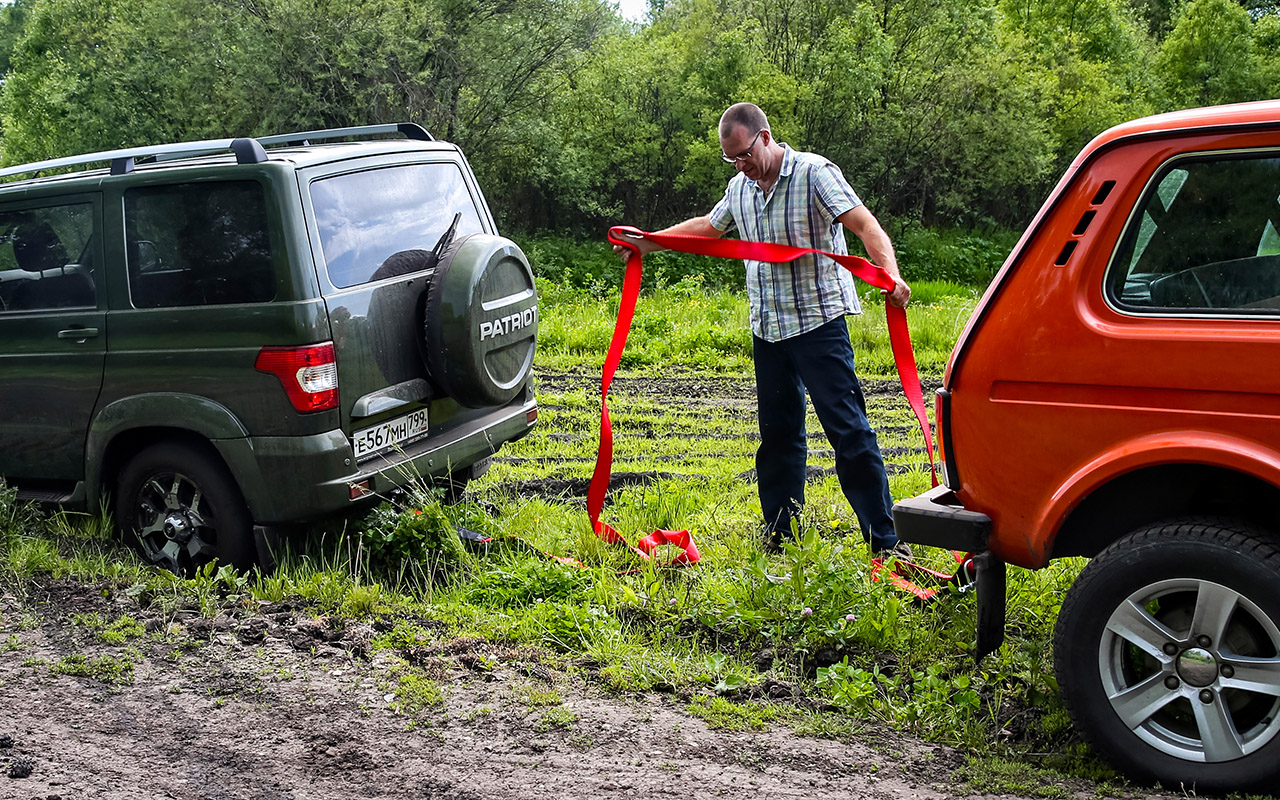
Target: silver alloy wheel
175,531
1192,668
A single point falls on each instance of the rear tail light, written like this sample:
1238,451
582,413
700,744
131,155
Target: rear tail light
308,374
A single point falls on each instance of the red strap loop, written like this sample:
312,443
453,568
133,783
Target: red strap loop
626,236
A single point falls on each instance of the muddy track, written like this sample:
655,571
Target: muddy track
696,386
687,402
280,702
571,489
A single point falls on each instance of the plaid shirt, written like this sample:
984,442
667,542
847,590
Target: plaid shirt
796,297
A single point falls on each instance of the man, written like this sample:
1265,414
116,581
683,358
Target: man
800,339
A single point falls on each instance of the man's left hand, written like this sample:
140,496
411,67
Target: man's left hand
901,294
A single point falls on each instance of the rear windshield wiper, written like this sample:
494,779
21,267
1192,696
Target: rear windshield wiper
446,238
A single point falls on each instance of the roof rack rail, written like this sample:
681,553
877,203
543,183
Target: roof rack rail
410,130
248,151
122,160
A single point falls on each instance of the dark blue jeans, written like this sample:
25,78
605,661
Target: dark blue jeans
821,361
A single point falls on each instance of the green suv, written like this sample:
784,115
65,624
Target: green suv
226,336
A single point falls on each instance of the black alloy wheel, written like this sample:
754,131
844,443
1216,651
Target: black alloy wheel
181,509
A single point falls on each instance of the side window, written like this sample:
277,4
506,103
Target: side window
1204,240
196,244
385,222
45,258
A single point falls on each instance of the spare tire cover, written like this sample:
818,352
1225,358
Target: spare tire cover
480,323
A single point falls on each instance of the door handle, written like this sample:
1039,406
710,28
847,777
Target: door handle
78,334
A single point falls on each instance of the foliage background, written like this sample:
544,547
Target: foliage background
944,113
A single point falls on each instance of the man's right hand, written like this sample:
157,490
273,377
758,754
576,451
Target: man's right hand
623,252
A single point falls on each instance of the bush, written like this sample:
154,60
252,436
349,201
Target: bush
426,537
970,258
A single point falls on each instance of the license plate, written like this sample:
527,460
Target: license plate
380,438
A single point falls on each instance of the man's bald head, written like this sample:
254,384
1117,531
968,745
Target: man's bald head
744,115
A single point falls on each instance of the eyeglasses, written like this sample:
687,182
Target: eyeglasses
745,154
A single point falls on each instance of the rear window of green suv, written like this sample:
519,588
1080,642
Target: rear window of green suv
196,244
365,217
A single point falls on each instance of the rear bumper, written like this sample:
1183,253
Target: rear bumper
936,518
295,478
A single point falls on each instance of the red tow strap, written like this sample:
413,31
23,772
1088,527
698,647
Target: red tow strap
626,236
963,578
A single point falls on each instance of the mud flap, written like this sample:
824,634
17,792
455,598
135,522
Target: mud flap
990,585
266,542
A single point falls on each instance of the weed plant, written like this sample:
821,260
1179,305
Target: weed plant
725,634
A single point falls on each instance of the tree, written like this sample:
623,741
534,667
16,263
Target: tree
1210,57
94,74
13,20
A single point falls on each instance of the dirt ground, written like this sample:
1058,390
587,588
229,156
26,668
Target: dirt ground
281,703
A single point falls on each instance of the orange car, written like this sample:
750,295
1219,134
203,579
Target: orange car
1113,396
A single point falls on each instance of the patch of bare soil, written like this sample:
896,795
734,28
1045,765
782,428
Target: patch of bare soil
283,703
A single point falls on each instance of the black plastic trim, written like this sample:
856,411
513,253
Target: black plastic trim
412,130
937,519
248,151
943,410
990,584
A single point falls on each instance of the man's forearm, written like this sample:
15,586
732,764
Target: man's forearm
881,251
697,226
876,242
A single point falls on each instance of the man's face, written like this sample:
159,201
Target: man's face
747,149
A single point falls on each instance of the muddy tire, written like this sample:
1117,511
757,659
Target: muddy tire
480,321
180,508
1167,650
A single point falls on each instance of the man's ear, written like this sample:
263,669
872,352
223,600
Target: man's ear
766,136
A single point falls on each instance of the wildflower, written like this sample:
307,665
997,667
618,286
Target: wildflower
806,612
850,617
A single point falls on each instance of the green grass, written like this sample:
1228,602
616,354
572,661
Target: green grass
415,693
741,620
118,631
533,697
555,718
105,668
687,326
723,714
